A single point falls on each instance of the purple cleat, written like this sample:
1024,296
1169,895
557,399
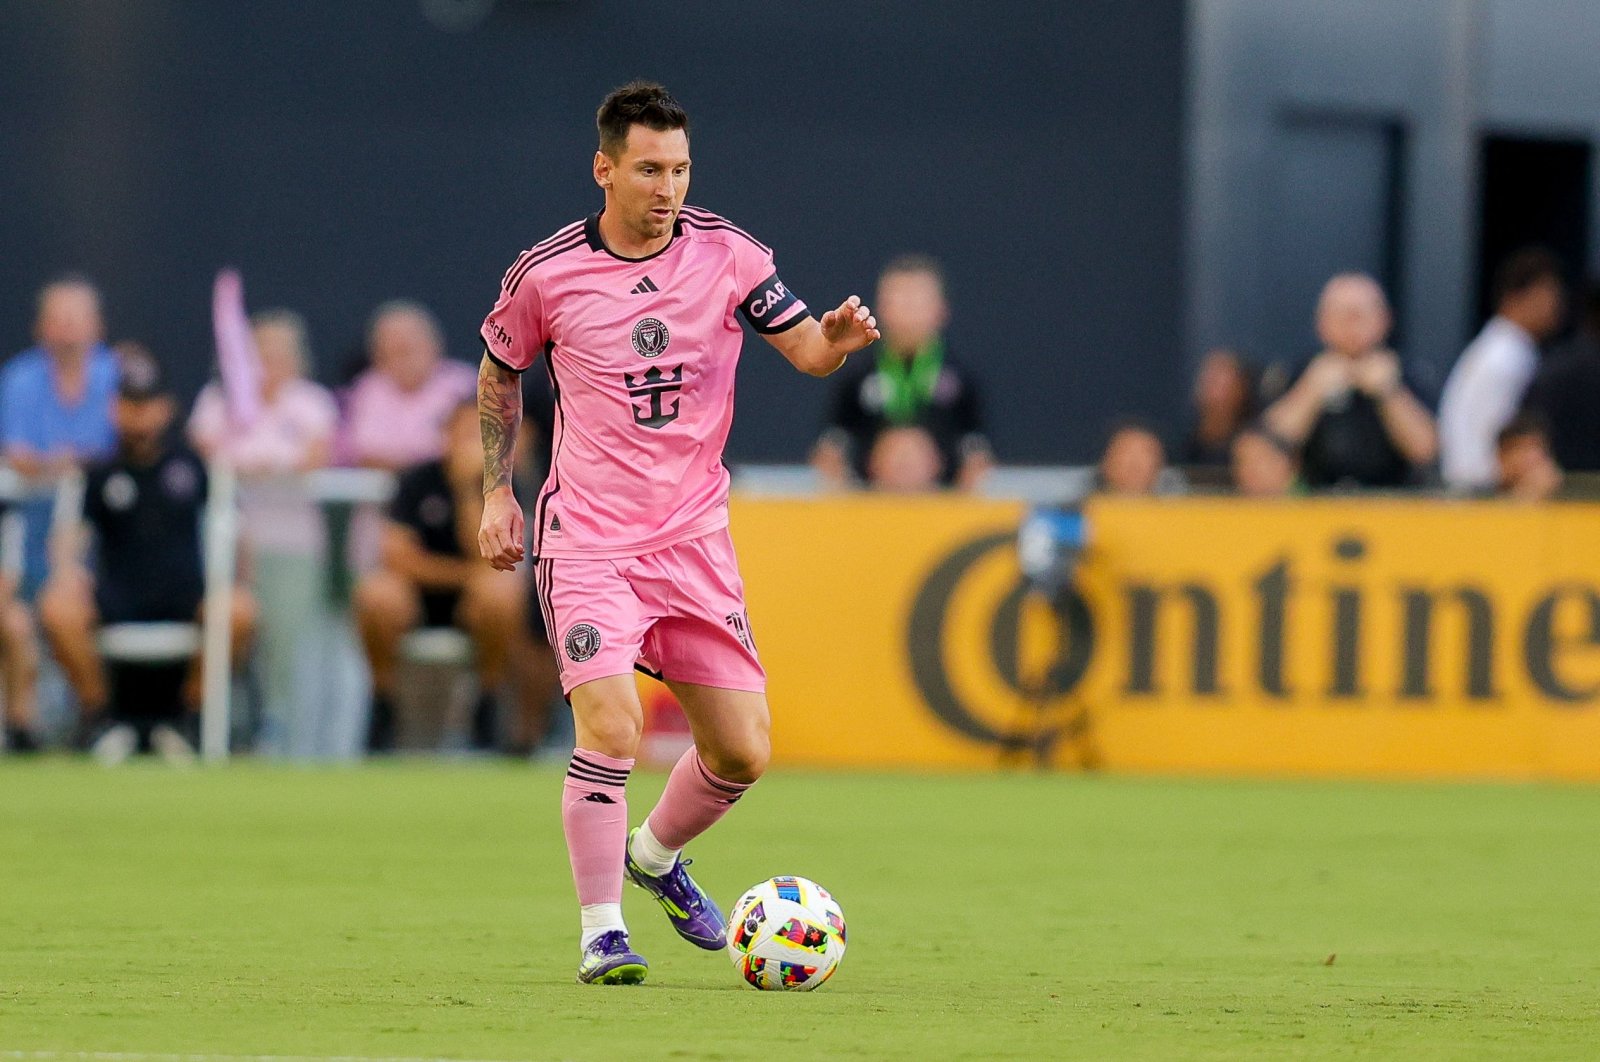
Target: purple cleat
608,960
692,913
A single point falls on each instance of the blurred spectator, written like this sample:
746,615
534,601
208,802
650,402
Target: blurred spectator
1525,469
281,525
1133,461
55,405
144,508
19,661
431,576
1489,379
1263,465
55,397
395,413
904,461
908,380
1350,412
1566,393
1224,402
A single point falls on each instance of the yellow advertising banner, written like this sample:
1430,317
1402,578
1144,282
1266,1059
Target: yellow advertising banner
1359,637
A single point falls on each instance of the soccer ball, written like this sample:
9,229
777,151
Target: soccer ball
786,935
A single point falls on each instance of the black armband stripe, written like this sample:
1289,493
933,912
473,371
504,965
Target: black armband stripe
776,330
768,301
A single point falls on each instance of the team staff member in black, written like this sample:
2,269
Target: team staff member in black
1351,414
142,510
908,381
429,575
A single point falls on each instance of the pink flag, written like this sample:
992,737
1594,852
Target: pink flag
237,356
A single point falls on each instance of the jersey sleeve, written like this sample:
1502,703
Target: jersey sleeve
514,332
764,299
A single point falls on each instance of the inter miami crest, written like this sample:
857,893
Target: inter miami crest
650,337
583,641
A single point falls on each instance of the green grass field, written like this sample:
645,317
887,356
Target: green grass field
425,911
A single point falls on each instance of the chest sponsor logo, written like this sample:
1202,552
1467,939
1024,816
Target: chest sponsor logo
651,392
650,337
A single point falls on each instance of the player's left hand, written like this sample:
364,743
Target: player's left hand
850,327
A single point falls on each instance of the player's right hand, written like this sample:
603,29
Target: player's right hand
500,532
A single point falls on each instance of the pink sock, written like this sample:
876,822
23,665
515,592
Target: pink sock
692,803
594,816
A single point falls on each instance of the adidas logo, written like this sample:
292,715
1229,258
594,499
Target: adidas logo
599,798
555,523
644,287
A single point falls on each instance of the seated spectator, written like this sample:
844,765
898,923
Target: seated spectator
1224,402
19,662
1133,461
395,412
55,405
906,380
1356,422
143,507
431,575
1263,465
292,433
1525,469
1565,394
1489,379
904,461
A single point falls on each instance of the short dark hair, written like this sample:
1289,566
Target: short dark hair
643,103
1131,426
64,280
1525,269
914,263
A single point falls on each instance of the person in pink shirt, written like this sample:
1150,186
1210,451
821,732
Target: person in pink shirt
396,410
291,434
634,313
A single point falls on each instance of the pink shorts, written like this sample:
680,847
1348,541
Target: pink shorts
677,613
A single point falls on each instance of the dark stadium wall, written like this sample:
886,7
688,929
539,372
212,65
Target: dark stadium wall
342,154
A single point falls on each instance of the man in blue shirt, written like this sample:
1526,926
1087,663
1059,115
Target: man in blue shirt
55,404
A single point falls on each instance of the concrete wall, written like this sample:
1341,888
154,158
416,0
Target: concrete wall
344,153
1444,72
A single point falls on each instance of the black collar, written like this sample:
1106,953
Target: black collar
591,232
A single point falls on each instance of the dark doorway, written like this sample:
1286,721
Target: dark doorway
1332,205
1534,191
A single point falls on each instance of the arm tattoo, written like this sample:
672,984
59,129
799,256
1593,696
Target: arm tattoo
499,415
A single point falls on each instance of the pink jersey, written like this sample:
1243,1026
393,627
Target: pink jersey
641,356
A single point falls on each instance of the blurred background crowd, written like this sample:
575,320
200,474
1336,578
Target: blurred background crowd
1266,247
110,482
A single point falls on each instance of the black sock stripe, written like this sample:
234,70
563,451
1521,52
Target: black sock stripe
717,783
595,783
605,772
579,775
589,772
579,757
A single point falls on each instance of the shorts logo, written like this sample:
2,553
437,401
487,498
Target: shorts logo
650,338
582,642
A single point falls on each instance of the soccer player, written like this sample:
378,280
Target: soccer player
633,310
